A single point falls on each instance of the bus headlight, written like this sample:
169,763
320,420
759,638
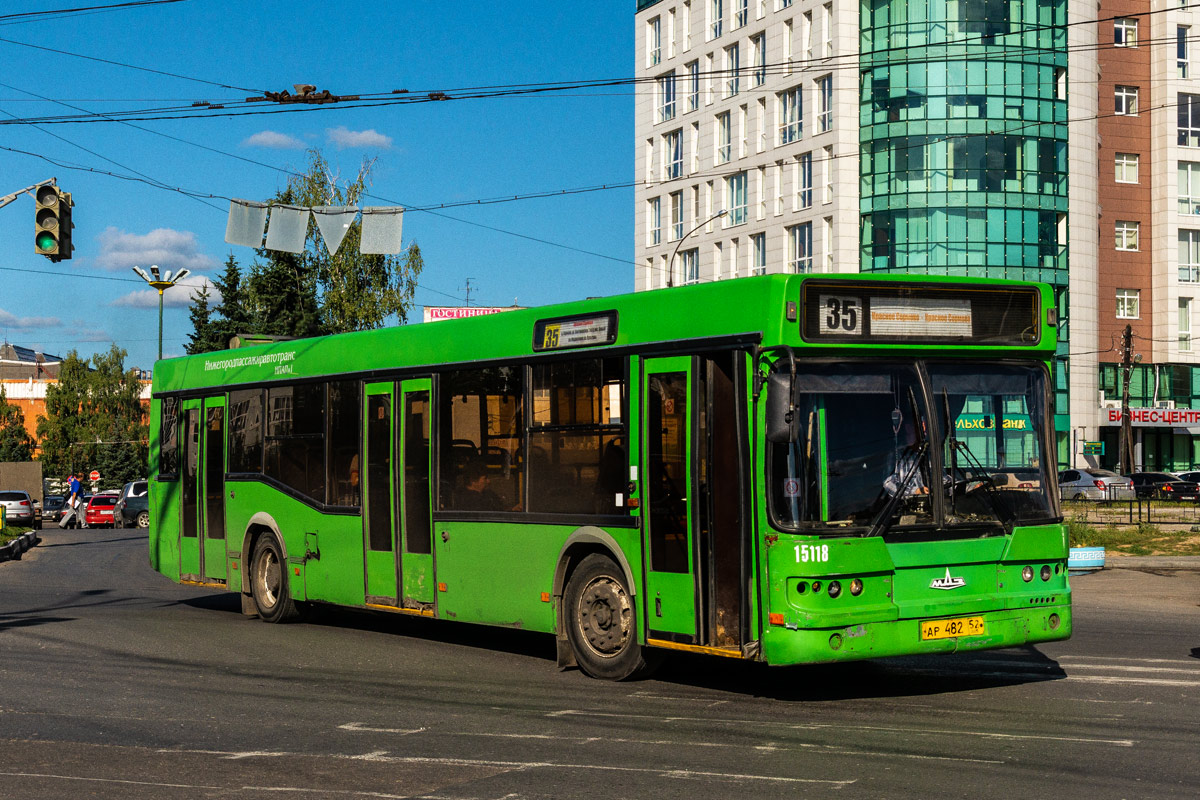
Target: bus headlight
1045,573
835,589
1027,574
856,587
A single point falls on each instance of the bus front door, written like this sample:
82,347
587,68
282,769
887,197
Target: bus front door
413,487
667,446
202,529
379,503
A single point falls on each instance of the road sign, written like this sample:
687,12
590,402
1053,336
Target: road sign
94,475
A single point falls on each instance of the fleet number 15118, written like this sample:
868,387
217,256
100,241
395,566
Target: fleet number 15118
817,553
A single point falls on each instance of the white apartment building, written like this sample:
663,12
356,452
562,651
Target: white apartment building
725,124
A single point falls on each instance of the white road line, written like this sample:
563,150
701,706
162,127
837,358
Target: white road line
110,780
381,756
1135,681
358,726
1193,662
843,727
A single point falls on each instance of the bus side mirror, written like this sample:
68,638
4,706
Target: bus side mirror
782,423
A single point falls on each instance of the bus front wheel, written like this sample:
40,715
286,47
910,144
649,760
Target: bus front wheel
269,582
601,621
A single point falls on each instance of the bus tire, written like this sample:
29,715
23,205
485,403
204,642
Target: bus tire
269,582
601,620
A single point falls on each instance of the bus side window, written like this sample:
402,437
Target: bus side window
168,437
345,420
482,432
246,431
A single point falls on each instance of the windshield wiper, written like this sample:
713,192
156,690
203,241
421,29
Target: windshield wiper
883,520
1004,513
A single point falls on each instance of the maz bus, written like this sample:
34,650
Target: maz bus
787,469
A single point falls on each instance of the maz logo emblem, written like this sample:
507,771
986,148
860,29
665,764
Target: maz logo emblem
947,582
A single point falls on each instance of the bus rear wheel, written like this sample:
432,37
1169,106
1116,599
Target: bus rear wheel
269,582
601,621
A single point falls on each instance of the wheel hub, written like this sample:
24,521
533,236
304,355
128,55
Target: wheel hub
605,616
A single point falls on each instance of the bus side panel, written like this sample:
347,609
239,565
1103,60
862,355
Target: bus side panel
334,571
497,573
164,527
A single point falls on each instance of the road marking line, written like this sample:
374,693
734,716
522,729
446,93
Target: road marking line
110,780
1127,658
358,726
1135,681
381,756
841,727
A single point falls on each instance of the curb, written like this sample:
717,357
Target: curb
1154,562
13,550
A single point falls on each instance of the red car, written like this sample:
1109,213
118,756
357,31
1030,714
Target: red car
99,510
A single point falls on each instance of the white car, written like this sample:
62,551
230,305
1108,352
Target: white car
1094,484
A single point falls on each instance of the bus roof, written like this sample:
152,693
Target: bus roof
751,310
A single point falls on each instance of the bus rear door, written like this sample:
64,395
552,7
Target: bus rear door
202,529
667,447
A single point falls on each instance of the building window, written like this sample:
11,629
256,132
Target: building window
759,266
1181,50
1126,99
1189,256
673,155
1127,167
800,247
785,4
693,70
1185,323
724,138
1188,115
827,158
666,97
689,266
805,192
741,13
735,198
1125,32
760,59
716,14
1127,234
791,115
827,243
676,216
828,30
1189,187
825,104
1128,301
654,42
733,70
654,221
687,26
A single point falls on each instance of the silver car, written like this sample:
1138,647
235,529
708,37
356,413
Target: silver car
19,509
1094,484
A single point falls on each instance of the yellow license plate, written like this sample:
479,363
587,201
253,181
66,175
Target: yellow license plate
952,628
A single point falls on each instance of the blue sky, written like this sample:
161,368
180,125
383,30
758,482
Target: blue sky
428,153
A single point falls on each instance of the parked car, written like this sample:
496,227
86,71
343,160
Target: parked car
19,509
133,506
1164,486
1093,484
99,509
53,507
1190,476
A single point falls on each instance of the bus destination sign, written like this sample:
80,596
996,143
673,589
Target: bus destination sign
568,332
897,313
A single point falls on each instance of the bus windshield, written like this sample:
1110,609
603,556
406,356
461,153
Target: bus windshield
869,448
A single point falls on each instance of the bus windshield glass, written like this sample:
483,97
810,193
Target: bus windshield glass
993,454
868,449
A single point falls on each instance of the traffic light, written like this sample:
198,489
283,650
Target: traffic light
53,223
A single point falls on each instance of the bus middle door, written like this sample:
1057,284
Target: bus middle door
202,529
379,540
667,432
413,488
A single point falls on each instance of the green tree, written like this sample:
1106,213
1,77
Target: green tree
233,316
95,420
15,442
203,338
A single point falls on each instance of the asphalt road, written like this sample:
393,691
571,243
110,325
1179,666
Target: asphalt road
116,683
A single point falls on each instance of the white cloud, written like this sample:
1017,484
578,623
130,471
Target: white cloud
10,320
344,138
169,249
274,140
179,296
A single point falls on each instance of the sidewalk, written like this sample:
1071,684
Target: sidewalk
1152,562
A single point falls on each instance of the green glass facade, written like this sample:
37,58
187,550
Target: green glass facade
963,137
963,131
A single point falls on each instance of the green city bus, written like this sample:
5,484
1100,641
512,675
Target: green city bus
787,469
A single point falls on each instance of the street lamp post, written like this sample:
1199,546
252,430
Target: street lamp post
671,263
162,283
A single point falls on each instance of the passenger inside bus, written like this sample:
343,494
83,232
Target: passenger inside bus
474,493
